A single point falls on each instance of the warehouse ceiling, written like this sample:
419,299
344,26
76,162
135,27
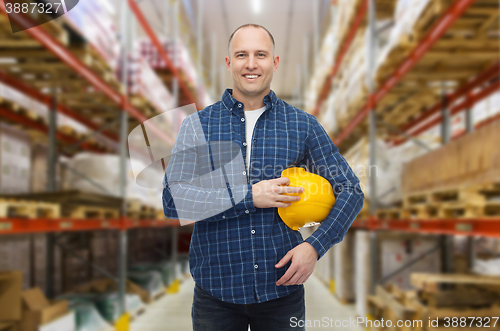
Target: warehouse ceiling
290,22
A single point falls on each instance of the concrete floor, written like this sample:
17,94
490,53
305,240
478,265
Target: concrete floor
173,312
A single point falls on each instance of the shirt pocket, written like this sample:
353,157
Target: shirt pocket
289,154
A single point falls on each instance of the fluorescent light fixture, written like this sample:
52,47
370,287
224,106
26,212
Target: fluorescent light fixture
256,6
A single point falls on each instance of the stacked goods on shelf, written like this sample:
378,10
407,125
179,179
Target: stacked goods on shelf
104,170
19,103
387,170
145,86
185,65
95,21
87,315
148,280
20,38
396,252
440,301
411,20
165,269
321,69
453,60
104,286
460,179
15,163
108,305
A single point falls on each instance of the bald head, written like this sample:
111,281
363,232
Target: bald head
246,26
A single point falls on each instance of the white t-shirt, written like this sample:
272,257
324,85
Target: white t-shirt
251,117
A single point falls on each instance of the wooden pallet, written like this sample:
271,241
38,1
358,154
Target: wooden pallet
391,303
389,213
91,212
480,201
28,209
432,282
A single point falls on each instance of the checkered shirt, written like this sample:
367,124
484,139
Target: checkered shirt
232,254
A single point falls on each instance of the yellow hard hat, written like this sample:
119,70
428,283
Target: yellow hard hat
315,202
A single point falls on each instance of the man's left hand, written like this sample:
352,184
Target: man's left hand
304,258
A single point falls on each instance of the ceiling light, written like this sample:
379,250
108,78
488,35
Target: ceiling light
257,6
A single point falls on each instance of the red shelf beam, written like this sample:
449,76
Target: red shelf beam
465,90
21,225
27,122
454,12
345,48
464,105
151,34
468,227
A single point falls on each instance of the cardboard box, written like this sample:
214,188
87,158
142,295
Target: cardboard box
64,323
10,296
4,326
108,285
37,310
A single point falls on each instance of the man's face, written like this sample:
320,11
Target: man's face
251,61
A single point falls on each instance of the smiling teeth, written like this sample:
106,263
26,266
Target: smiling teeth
251,76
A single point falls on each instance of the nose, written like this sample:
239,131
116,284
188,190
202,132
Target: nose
251,63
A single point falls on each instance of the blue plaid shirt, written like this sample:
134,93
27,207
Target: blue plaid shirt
233,254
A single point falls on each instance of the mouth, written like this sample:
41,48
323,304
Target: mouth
251,77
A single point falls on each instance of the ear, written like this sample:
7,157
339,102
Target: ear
276,62
228,63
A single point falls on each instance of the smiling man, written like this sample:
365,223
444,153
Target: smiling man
249,267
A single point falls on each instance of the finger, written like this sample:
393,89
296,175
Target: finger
284,260
303,279
294,279
287,198
286,277
278,204
290,189
281,181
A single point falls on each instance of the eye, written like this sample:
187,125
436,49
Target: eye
240,55
262,54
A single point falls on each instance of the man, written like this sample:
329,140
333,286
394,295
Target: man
248,266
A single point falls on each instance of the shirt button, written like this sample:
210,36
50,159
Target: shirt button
240,105
256,266
230,109
244,173
244,144
254,140
253,231
242,119
223,216
247,212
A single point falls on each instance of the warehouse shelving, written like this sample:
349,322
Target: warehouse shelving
118,103
449,17
469,91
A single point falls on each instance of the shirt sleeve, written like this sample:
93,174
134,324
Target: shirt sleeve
195,190
323,158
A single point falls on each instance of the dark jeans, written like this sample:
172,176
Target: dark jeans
211,314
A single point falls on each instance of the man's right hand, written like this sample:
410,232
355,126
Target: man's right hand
268,193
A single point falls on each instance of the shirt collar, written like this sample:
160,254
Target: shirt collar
231,103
